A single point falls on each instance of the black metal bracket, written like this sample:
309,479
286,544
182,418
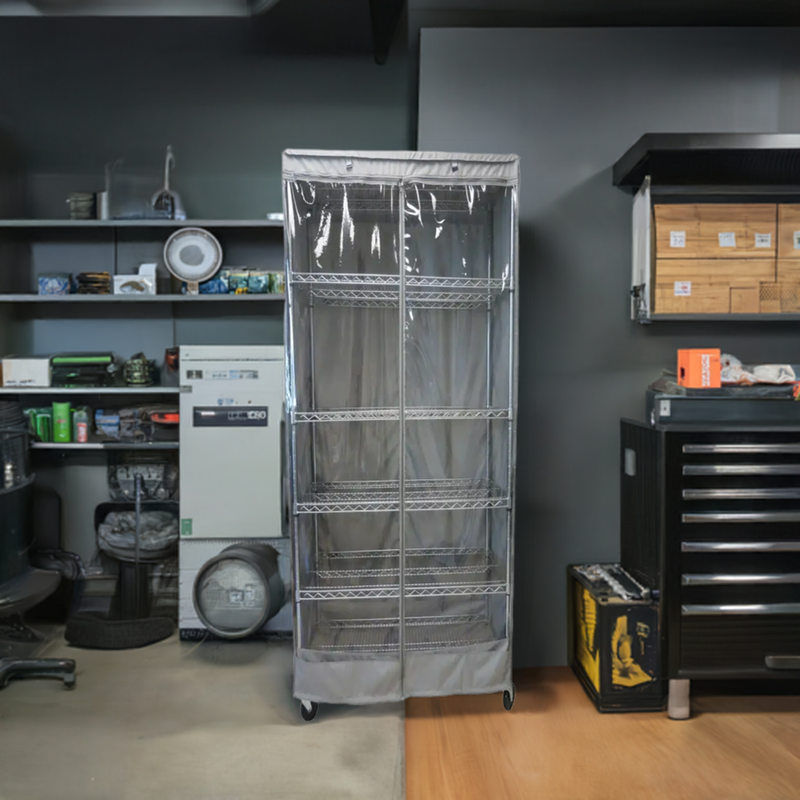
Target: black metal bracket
385,15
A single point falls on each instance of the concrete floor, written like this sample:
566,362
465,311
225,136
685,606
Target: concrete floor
182,720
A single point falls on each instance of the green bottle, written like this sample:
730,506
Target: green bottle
62,423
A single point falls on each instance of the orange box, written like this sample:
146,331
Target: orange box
699,369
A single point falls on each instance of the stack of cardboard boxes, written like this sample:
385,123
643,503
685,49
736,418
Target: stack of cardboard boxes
731,258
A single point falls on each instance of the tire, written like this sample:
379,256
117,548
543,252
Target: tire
509,697
309,713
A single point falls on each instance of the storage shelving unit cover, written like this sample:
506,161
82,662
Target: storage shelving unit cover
401,403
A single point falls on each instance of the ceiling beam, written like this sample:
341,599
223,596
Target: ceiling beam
385,15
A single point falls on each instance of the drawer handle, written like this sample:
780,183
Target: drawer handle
740,609
741,469
782,662
741,494
741,448
717,579
743,516
740,547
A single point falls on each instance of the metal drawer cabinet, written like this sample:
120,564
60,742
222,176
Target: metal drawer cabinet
710,520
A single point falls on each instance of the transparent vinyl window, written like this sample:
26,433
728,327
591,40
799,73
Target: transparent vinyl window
343,228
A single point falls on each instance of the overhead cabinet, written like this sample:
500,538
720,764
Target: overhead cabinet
716,226
401,403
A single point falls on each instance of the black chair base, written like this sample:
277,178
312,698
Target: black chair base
63,668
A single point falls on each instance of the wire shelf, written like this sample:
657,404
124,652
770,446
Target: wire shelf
370,290
382,635
392,592
420,565
419,413
420,495
375,279
387,298
387,200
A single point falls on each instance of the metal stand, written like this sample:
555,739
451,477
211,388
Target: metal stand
679,704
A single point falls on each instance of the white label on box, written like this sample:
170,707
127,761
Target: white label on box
705,370
796,238
763,240
727,239
677,238
664,408
683,288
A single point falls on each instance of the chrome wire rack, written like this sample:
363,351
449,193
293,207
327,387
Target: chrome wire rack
401,335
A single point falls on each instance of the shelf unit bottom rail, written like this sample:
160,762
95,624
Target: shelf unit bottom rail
421,633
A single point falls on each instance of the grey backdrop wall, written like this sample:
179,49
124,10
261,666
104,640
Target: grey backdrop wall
228,94
570,102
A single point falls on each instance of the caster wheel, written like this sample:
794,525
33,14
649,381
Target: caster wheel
509,697
69,681
308,709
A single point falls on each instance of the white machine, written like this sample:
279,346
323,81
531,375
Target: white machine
232,477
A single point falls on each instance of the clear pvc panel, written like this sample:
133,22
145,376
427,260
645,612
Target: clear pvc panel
458,355
342,228
343,285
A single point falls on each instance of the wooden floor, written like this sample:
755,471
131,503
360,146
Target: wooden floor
554,745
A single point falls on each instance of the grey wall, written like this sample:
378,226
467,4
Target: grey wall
228,94
570,103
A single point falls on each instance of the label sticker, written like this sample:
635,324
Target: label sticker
230,417
664,408
683,288
763,240
186,527
233,375
796,239
727,239
678,238
194,374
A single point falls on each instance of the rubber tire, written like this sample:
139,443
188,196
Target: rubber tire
309,713
509,698
96,633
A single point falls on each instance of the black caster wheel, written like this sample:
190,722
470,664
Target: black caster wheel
509,697
69,681
308,709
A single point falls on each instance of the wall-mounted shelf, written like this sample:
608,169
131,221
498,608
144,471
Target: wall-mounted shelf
703,159
145,298
693,187
73,446
94,390
140,223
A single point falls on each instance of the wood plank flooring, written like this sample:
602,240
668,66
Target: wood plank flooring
554,745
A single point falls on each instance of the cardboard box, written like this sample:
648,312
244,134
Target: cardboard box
789,232
711,285
24,372
779,298
699,368
690,297
745,300
788,270
716,230
710,271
